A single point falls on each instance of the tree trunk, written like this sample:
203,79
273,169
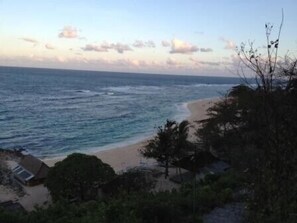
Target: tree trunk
180,174
166,169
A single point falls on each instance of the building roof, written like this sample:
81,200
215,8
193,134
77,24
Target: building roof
35,166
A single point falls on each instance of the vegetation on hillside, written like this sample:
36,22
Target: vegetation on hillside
255,127
139,207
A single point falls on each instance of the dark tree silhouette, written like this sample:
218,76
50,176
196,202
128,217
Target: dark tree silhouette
78,177
255,128
170,144
162,146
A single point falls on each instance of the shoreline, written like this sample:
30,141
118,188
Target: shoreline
128,156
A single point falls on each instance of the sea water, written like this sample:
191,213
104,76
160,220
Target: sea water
52,113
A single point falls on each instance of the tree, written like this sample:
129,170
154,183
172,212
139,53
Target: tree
161,147
170,144
255,128
182,145
78,176
134,180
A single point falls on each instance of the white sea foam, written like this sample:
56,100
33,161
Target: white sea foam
182,112
133,89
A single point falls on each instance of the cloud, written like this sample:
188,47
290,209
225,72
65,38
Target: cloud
142,44
209,63
49,46
179,46
30,40
206,50
105,47
165,43
138,44
91,47
172,62
121,48
150,44
69,32
61,59
230,45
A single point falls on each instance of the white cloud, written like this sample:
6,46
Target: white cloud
69,32
142,44
209,63
61,59
49,46
121,48
230,45
30,40
165,43
105,47
206,50
138,44
150,44
179,46
172,62
91,47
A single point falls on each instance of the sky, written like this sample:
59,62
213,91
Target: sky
186,37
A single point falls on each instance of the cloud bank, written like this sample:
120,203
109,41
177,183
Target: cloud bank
30,40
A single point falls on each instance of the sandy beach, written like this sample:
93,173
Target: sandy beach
125,157
120,159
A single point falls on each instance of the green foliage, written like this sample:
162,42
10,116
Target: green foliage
138,207
170,144
148,208
11,217
60,212
78,176
134,180
258,137
213,191
255,128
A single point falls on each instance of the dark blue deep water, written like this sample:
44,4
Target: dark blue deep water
55,112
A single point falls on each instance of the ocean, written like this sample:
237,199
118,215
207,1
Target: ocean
52,113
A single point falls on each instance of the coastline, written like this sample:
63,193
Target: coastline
123,157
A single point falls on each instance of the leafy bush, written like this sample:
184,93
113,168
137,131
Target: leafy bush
78,177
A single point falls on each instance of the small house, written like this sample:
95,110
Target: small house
31,171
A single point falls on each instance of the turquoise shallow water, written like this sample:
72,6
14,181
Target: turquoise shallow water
55,112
